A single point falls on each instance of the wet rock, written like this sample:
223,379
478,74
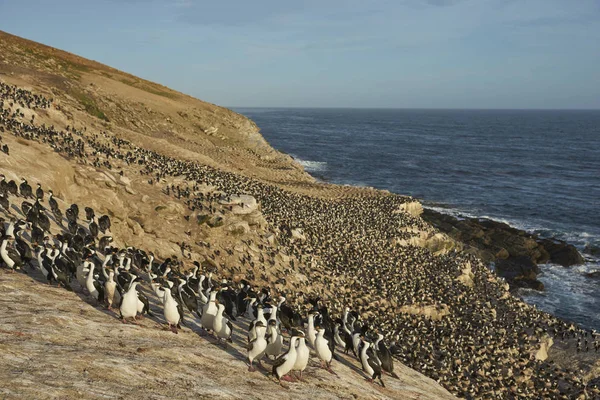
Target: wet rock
592,250
515,252
562,253
502,254
519,272
593,275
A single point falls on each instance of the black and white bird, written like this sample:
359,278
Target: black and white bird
369,361
25,189
39,192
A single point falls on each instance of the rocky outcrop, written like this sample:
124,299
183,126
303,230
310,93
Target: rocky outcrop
516,253
562,253
437,243
520,271
545,345
413,208
466,276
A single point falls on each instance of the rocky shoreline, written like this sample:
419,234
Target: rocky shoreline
515,253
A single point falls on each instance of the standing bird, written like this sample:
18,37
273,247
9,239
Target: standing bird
209,311
75,209
288,316
111,293
23,249
25,189
385,356
222,327
89,213
37,235
129,303
322,349
93,227
171,310
3,184
71,216
4,202
274,340
104,223
39,192
369,363
312,332
285,362
302,353
52,201
43,221
252,334
9,255
12,188
94,287
256,347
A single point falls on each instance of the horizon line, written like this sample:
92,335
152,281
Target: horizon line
414,108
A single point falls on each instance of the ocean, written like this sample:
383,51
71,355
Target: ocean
535,170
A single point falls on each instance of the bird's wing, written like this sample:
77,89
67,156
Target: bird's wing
280,360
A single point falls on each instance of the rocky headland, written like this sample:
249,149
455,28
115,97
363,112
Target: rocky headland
194,184
515,253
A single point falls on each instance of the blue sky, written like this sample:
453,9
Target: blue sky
353,53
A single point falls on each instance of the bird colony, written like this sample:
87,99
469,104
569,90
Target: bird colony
367,294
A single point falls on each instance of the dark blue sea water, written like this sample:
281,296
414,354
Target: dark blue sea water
536,170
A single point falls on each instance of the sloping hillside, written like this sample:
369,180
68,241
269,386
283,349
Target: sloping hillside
189,181
147,113
58,344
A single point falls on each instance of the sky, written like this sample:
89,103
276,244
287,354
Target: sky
337,53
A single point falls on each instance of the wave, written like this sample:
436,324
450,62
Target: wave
311,166
568,294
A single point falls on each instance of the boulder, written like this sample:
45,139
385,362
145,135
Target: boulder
502,254
202,218
123,180
520,272
466,276
239,228
592,249
413,208
215,221
562,253
271,239
542,353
